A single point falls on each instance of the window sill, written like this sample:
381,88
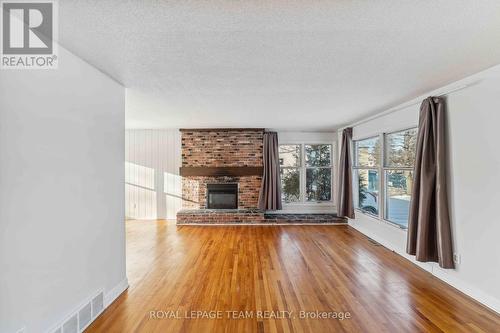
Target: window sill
313,204
299,208
382,220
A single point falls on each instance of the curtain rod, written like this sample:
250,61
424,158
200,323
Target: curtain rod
411,103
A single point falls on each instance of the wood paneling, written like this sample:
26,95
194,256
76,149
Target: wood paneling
228,129
292,268
153,186
221,171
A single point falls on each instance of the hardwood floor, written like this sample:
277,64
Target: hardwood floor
280,268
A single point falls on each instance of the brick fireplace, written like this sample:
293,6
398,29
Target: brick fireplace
229,160
221,156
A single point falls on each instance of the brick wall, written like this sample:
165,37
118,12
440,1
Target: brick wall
221,148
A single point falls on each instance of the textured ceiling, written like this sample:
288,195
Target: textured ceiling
312,65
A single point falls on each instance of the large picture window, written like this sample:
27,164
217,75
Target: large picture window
386,160
306,172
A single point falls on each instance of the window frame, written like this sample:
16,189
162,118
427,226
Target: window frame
355,166
303,174
330,167
299,167
382,171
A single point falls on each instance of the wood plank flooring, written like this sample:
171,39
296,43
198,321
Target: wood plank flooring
333,269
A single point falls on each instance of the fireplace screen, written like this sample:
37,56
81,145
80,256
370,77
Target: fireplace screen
222,196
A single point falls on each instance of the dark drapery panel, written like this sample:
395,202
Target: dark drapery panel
270,191
345,206
429,231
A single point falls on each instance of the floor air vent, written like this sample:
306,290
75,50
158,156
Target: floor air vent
80,320
71,325
85,316
97,305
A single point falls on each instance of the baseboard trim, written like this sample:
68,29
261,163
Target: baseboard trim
113,294
474,293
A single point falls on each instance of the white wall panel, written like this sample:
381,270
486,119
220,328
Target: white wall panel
473,118
62,231
152,182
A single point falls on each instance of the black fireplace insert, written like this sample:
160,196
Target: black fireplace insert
222,196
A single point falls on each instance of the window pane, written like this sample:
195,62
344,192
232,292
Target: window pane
290,155
367,152
290,184
398,195
318,184
318,155
400,148
368,191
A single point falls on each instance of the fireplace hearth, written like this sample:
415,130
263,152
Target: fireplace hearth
222,196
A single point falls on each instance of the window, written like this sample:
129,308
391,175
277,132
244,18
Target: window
398,156
398,167
290,158
306,172
318,172
366,173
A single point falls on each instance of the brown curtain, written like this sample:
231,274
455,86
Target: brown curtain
270,191
345,206
429,232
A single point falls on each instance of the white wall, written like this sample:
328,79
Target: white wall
473,118
62,234
153,187
291,137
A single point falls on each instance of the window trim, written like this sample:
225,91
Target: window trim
302,173
381,169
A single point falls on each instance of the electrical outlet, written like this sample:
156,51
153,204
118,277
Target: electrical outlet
456,258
